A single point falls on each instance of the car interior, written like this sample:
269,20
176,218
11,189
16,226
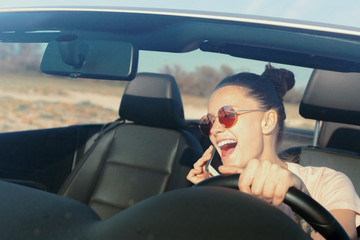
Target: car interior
339,135
127,177
103,162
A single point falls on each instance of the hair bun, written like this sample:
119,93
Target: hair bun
283,79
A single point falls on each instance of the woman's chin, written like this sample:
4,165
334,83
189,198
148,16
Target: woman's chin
229,160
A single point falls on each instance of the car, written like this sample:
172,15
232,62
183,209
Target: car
97,138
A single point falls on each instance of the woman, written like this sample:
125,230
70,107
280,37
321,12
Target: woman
245,122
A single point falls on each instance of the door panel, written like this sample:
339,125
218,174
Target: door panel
44,157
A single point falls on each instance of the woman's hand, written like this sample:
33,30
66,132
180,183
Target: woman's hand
266,180
199,173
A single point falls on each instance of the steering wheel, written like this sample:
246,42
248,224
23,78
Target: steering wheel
310,210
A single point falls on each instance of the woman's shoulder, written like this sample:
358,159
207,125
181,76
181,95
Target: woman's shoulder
331,188
311,171
323,182
321,179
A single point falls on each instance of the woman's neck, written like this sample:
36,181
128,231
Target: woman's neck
269,152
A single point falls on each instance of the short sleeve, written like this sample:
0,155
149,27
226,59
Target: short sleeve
337,192
332,189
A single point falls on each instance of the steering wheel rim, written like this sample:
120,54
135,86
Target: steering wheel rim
310,210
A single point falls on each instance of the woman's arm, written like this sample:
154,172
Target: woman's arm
265,179
346,218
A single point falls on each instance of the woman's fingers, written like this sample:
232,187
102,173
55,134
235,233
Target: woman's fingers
260,178
284,183
205,157
269,186
198,173
247,176
195,176
264,179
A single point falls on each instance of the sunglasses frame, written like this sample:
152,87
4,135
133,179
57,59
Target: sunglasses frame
210,117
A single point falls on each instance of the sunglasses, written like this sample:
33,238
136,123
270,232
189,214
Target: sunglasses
227,117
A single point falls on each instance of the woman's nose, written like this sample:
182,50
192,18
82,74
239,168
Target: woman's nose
216,127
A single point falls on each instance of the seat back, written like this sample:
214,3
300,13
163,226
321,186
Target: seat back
340,136
331,97
145,153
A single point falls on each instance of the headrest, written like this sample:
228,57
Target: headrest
332,96
154,100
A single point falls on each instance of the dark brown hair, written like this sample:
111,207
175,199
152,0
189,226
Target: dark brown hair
268,89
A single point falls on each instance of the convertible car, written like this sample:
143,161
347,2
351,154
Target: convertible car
99,121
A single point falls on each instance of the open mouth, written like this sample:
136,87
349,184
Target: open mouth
227,147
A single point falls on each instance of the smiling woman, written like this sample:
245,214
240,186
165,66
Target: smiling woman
247,144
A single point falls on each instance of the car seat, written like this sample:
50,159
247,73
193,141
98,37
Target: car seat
144,153
341,136
331,97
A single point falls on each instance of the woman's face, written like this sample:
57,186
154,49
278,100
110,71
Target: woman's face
244,140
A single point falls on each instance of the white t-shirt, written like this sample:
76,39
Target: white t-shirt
332,189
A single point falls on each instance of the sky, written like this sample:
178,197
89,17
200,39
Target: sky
344,12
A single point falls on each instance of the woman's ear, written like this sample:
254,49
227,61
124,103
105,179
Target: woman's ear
269,121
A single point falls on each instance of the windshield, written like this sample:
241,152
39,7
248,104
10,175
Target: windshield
34,100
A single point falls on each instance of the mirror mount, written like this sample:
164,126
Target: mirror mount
69,51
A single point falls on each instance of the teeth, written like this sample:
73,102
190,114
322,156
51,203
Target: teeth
225,142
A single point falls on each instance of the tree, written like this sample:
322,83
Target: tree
200,82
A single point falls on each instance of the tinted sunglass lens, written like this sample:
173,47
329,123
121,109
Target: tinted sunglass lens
227,116
205,125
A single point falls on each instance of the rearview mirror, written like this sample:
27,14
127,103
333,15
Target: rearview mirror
68,56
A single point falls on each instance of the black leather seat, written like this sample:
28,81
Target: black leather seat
331,97
147,154
340,136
